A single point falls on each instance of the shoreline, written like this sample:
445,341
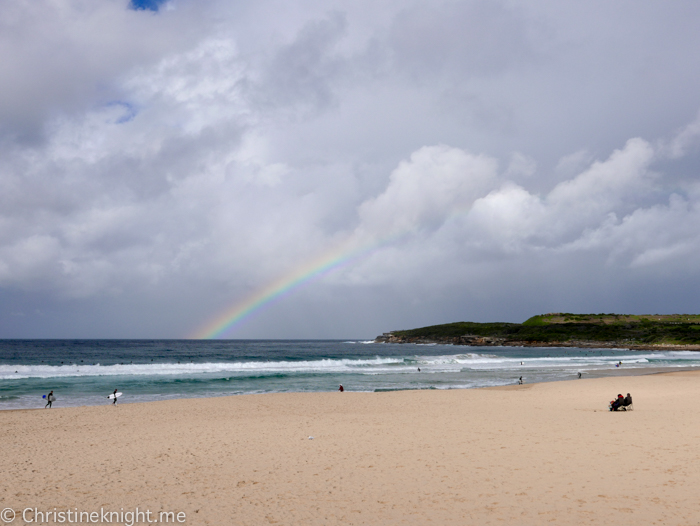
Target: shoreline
614,373
496,342
372,368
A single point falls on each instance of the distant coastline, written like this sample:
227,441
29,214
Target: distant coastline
607,331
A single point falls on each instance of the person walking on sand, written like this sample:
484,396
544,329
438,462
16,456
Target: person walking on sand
49,400
115,397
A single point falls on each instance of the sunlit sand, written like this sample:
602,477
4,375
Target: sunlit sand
531,454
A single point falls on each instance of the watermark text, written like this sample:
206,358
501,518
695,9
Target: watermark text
103,516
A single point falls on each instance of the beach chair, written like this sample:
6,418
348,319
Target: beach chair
622,407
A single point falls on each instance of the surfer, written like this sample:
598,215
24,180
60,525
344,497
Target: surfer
341,388
579,376
520,381
49,400
115,397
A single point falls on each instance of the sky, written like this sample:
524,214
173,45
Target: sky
340,169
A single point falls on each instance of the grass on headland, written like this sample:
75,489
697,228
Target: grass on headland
623,329
609,319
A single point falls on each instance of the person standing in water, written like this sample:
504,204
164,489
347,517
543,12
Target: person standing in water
341,389
49,400
115,397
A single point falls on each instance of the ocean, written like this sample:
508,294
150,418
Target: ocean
84,372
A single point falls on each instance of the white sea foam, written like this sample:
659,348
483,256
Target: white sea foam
418,367
11,372
462,362
377,364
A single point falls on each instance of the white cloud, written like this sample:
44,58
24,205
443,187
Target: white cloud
686,139
508,218
516,219
594,216
436,182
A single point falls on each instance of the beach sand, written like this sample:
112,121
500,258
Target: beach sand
531,454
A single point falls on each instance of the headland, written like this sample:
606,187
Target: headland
619,331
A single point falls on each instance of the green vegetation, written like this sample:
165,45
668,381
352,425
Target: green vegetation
612,329
567,317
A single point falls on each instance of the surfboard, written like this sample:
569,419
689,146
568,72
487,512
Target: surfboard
112,395
52,399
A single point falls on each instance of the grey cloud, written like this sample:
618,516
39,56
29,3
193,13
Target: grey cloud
57,57
303,71
490,160
462,39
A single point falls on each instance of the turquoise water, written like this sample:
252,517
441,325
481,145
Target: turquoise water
84,372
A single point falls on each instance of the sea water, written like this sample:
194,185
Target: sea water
84,372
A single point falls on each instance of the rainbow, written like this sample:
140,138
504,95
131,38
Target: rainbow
334,259
273,292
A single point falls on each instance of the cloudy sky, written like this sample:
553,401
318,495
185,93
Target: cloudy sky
161,163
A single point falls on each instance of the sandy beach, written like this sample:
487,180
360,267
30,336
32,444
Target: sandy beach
531,454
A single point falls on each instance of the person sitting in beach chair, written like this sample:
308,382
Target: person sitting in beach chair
627,403
616,404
